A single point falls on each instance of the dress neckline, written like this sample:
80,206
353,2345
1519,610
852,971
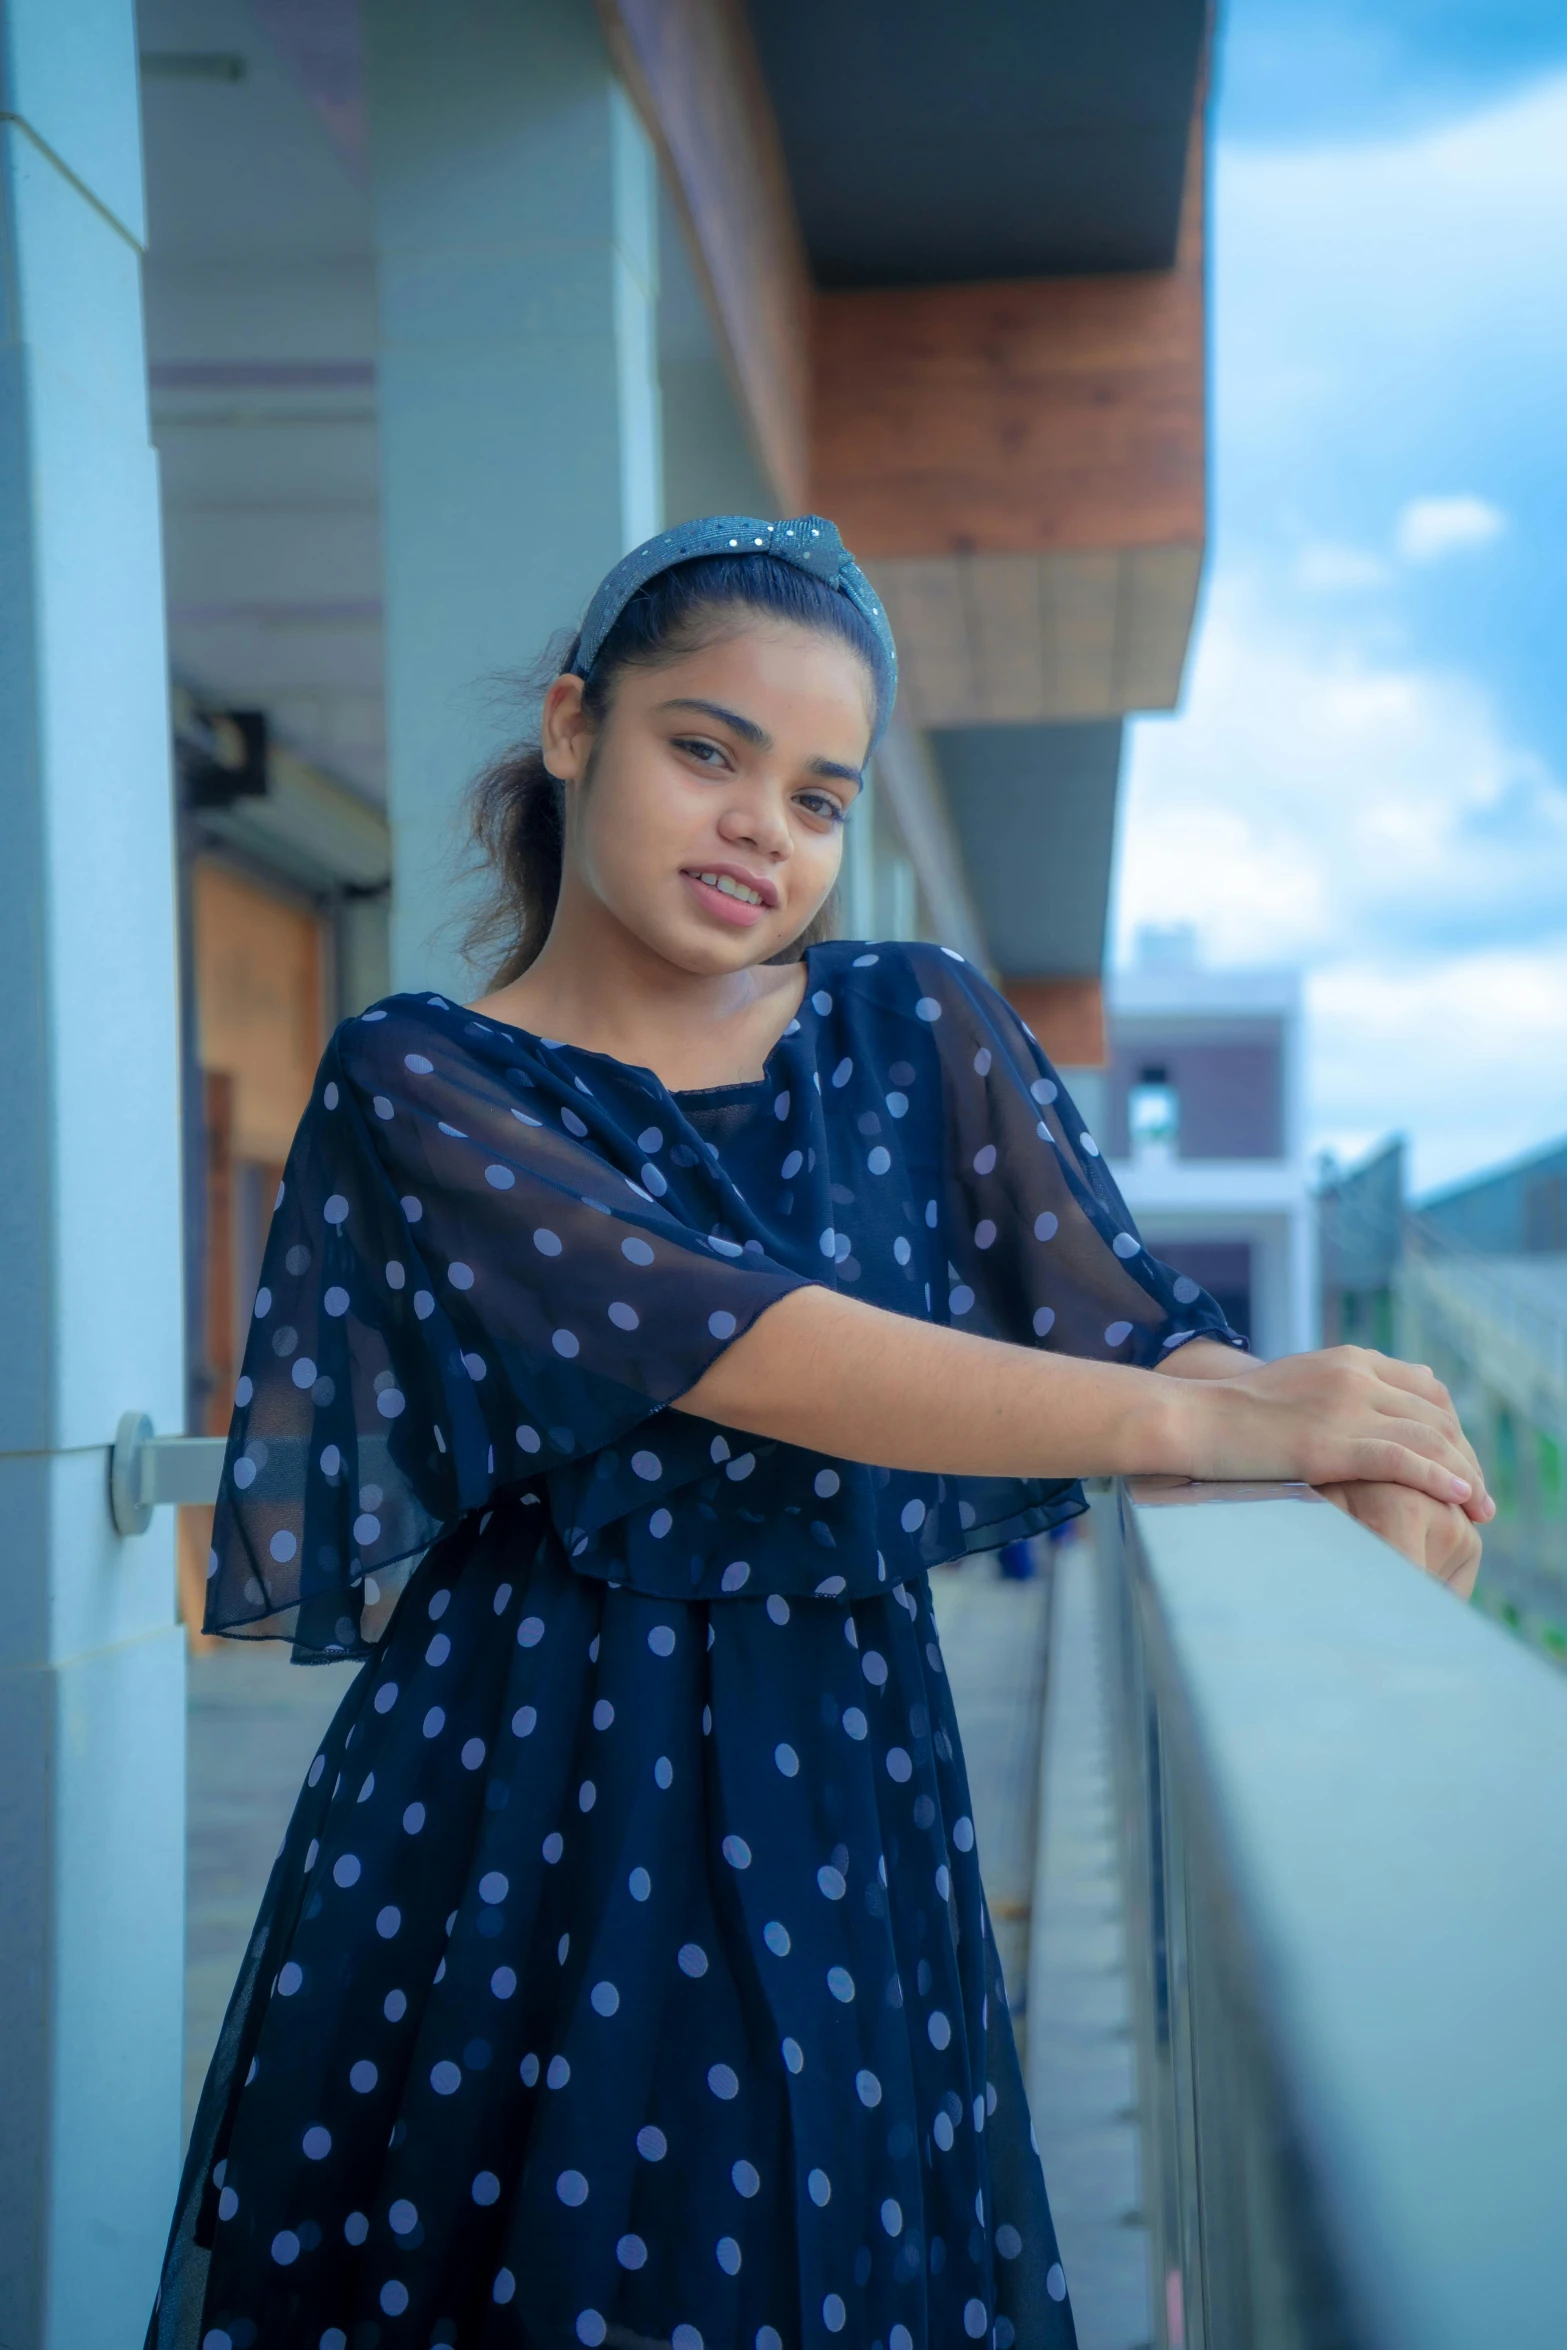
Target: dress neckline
702,1095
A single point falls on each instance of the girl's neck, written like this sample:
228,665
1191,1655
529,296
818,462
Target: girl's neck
596,985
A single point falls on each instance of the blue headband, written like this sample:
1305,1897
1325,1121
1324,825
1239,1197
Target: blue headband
808,541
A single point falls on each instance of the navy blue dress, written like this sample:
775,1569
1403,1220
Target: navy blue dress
625,1975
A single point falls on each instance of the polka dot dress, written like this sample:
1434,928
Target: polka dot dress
625,1975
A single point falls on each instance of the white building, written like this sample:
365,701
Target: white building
1200,1111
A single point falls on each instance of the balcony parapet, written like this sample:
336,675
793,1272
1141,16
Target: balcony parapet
1346,1835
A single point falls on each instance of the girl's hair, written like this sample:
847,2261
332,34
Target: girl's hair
518,809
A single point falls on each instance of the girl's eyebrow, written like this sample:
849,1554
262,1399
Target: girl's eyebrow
759,738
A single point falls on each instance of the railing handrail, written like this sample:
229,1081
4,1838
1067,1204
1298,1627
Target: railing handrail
1357,1793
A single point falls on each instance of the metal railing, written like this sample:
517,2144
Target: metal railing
1344,1801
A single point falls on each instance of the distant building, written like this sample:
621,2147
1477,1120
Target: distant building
1200,1113
1361,1236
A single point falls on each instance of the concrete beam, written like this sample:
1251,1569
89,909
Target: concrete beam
1021,466
692,70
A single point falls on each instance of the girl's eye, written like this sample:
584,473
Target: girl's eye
696,748
820,803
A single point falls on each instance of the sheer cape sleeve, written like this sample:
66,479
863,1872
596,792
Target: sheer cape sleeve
467,1282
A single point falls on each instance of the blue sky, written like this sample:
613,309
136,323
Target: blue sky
1368,775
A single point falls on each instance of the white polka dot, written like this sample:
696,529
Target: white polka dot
661,1639
285,2248
834,2314
283,1547
434,1722
928,1008
794,2056
559,2073
722,1325
605,1999
503,1982
941,2131
362,2077
623,1316
439,1650
938,2029
777,1607
819,2187
960,1298
587,1795
553,1846
737,1852
776,1937
828,1243
316,2143
899,1766
1008,2242
504,2287
735,1574
1044,1321
664,1771
975,2321
639,1884
786,1759
1117,1333
493,1886
631,2252
746,2177
486,2188
840,1983
403,2217
830,1587
388,1921
1087,1145
652,2144
390,1403
727,2254
413,1819
867,2088
1055,2281
912,1516
686,2337
345,1869
943,1882
659,1524
336,1209
874,1667
565,1344
572,2187
530,1631
963,1833
832,1882
591,2328
854,1722
692,1958
445,2078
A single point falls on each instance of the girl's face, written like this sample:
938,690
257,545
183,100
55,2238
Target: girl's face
706,815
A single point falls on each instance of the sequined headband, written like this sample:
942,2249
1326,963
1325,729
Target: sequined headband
808,541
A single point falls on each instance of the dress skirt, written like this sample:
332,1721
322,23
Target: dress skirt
624,1978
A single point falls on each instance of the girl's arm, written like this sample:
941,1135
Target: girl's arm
827,1372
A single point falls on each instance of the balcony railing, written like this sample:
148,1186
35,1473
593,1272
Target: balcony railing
1344,1803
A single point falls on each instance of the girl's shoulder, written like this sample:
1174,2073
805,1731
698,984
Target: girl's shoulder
908,975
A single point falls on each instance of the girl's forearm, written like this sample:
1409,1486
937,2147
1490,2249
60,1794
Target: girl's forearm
837,1376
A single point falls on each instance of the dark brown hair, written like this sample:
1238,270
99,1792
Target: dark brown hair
517,809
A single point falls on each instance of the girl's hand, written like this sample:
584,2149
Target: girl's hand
1436,1535
1342,1416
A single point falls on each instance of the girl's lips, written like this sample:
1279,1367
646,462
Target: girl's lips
734,911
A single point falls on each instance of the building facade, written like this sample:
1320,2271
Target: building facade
1200,1111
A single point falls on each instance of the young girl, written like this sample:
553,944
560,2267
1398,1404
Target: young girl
658,1322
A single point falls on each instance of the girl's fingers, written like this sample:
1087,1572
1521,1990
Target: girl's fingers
1436,1471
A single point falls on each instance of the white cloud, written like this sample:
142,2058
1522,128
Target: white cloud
1429,528
1368,818
1324,567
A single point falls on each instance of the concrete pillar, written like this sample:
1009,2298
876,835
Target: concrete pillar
92,1720
516,208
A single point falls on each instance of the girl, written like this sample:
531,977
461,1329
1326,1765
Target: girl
630,1344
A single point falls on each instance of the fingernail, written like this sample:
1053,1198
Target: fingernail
1462,1488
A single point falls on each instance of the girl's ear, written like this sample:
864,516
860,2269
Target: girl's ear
565,730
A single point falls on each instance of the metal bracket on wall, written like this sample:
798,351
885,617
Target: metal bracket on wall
146,1469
